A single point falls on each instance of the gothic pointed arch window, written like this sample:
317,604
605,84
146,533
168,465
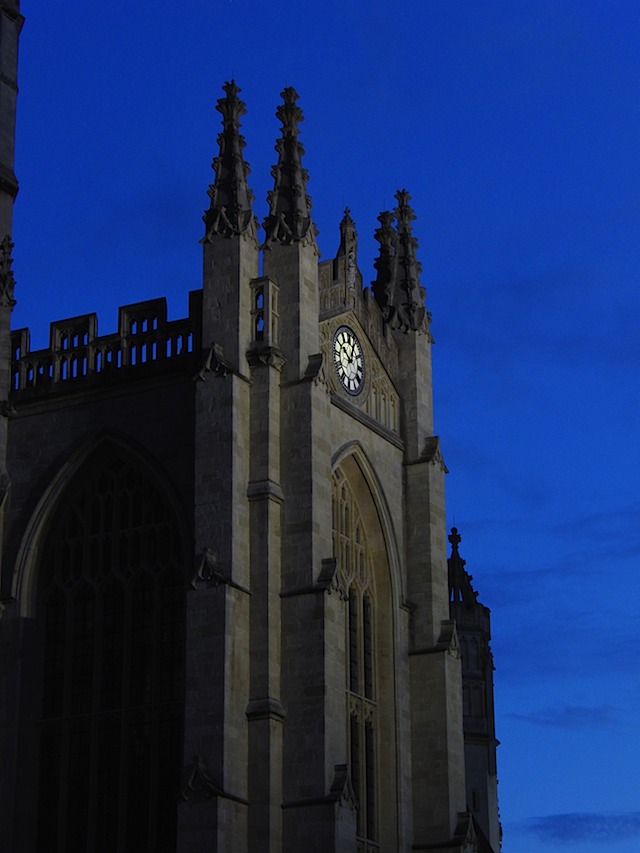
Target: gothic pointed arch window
357,580
111,605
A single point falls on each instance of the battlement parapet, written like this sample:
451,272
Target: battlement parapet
146,343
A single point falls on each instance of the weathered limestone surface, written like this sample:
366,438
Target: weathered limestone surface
323,702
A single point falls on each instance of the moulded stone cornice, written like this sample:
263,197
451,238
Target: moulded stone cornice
465,838
200,782
341,790
328,581
447,641
266,357
316,371
266,708
260,489
432,453
329,578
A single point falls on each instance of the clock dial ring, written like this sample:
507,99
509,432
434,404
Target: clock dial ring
348,360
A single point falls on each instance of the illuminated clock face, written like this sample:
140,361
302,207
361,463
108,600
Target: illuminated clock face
348,360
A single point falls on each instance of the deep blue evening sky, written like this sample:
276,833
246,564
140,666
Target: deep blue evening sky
516,128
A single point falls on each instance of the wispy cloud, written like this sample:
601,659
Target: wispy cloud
577,827
585,542
570,717
614,528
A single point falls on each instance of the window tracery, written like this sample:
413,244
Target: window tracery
356,579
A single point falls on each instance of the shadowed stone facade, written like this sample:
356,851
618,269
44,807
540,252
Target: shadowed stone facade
226,605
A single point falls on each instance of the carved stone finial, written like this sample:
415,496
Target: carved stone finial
230,212
289,113
7,280
455,539
289,218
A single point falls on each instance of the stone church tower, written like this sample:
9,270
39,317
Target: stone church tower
226,610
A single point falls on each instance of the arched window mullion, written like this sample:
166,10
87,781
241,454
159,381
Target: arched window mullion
354,640
368,647
370,774
355,725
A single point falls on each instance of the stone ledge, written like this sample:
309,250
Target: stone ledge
266,709
261,489
367,420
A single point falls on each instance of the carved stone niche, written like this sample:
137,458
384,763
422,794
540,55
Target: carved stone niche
265,316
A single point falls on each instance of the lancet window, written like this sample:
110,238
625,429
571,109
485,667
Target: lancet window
112,610
357,581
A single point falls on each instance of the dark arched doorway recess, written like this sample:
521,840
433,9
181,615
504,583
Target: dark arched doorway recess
111,607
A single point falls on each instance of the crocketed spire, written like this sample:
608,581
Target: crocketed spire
408,269
397,287
230,212
289,218
385,263
7,280
347,254
348,234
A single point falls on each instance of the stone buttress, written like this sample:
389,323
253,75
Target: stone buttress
291,262
436,722
219,612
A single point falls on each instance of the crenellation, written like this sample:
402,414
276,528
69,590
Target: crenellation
77,355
